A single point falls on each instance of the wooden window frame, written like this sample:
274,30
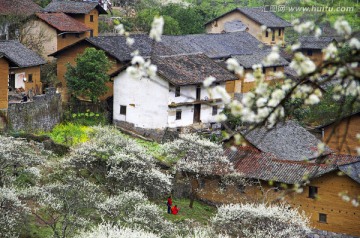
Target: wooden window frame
123,110
30,78
214,110
178,115
313,192
91,18
322,217
177,91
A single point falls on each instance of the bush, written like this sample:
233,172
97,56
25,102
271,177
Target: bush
259,220
70,134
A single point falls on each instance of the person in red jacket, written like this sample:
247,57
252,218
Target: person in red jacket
169,204
175,210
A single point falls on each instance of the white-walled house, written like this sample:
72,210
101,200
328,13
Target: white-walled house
174,98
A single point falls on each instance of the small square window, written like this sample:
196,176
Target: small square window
77,35
275,69
266,33
91,18
222,185
214,110
177,92
241,188
322,217
309,53
279,32
122,110
313,192
30,78
263,70
178,115
201,183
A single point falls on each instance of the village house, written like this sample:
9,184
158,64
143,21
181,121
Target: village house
14,12
341,134
246,83
20,70
175,98
273,164
83,11
57,29
218,47
251,20
312,47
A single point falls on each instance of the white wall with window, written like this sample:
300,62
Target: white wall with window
143,102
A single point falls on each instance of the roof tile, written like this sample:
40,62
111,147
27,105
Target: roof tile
63,22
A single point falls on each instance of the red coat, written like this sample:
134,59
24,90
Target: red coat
174,210
169,202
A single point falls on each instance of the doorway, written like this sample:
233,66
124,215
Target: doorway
197,110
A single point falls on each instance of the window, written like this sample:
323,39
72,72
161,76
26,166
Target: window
222,185
313,191
279,32
177,92
214,110
274,69
263,70
91,33
266,33
201,183
77,35
322,217
241,188
198,92
30,78
178,115
122,110
309,52
63,36
91,18
273,35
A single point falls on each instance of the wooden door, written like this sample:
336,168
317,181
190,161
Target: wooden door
12,81
197,110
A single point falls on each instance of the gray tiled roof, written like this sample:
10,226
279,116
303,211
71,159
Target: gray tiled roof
73,7
19,54
352,170
234,26
311,42
212,45
247,61
287,140
252,163
260,16
18,7
190,69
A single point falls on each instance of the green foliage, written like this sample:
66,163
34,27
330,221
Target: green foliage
70,134
48,74
88,77
87,118
326,111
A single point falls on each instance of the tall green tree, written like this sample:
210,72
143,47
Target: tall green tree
88,78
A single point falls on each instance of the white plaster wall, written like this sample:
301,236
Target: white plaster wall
187,116
206,112
146,101
188,94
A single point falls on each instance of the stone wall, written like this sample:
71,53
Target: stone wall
40,114
159,135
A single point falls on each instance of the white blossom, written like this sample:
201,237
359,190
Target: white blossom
120,29
318,32
130,41
354,43
312,99
234,66
157,28
208,81
225,97
342,27
330,52
302,64
305,27
220,117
